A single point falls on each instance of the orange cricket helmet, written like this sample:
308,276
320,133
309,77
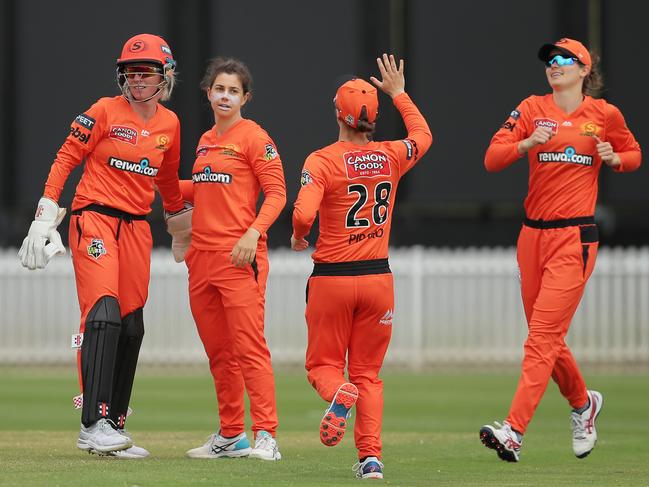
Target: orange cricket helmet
350,99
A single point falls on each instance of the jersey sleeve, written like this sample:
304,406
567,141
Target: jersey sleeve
167,177
419,138
86,130
267,167
313,183
622,140
187,190
503,148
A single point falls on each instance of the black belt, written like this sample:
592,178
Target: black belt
567,222
109,211
353,268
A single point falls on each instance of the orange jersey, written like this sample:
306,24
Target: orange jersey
229,172
564,171
124,158
353,188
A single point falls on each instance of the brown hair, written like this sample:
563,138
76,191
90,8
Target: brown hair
594,81
220,65
363,123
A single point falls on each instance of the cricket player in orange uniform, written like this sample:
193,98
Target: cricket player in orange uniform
228,261
567,135
352,185
129,142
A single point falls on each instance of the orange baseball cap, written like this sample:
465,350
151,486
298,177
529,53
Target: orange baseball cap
146,48
350,99
569,46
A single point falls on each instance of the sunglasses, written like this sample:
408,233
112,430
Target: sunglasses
560,60
142,69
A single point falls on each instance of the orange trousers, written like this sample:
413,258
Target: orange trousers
227,303
555,265
111,257
349,321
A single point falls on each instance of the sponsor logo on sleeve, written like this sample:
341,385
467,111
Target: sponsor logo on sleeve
366,164
515,114
141,167
547,122
123,133
85,121
568,156
208,176
508,125
270,152
409,148
305,178
77,133
96,248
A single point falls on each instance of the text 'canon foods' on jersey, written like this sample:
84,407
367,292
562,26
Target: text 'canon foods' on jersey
366,164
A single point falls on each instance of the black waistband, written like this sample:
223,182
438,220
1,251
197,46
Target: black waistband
353,268
109,211
568,222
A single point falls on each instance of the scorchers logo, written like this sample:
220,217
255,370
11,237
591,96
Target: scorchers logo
366,164
207,176
569,156
141,167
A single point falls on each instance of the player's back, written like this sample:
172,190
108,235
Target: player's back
356,209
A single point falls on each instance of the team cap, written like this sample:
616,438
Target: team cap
146,48
350,99
570,47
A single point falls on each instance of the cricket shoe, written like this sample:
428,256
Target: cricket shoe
334,421
503,439
102,437
132,453
218,446
265,447
584,434
370,468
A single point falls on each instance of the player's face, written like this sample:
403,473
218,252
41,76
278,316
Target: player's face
226,95
143,80
561,76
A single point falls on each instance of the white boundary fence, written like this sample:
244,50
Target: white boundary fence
453,306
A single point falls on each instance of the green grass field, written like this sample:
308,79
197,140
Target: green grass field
430,434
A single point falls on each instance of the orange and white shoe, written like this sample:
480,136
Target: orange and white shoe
334,421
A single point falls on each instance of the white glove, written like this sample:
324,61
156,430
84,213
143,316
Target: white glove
179,225
42,241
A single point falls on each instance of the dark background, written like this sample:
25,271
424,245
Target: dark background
469,63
